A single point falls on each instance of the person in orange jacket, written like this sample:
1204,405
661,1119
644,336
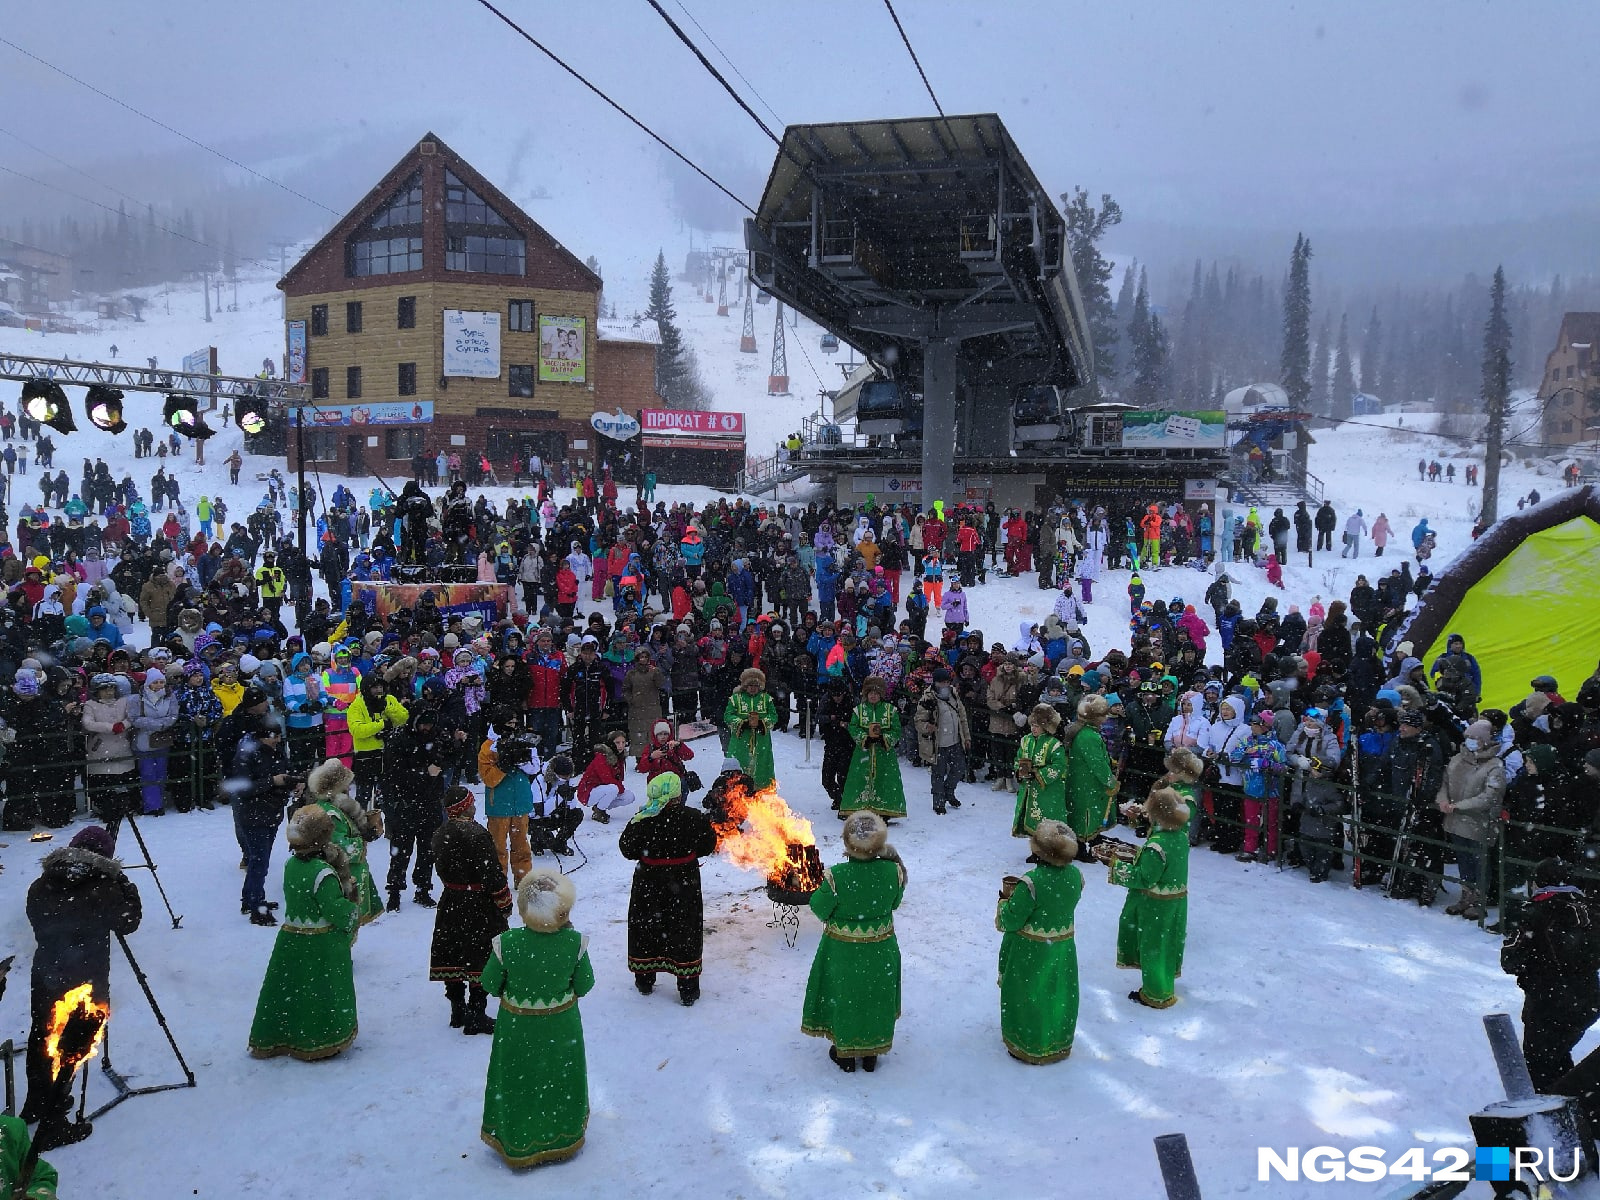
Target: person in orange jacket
1151,527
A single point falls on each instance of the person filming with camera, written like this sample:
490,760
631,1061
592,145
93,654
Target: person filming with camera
507,765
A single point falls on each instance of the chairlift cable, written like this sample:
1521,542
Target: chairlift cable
656,137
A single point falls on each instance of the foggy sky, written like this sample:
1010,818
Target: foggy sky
1205,120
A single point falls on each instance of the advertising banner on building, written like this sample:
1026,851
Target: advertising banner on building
563,349
295,366
393,412
471,344
1186,430
491,601
671,420
618,425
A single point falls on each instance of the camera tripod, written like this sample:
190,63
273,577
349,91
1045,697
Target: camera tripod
124,1090
148,864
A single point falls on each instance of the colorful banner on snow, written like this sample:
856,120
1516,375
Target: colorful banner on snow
491,601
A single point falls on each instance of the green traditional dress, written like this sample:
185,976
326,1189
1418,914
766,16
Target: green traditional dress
874,778
14,1147
1197,811
348,838
307,1006
1043,795
536,1099
1089,779
753,748
1155,916
1039,964
853,995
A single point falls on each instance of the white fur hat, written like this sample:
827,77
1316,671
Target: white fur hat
545,898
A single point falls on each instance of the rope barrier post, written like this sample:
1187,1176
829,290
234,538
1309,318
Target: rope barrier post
1177,1167
1508,1057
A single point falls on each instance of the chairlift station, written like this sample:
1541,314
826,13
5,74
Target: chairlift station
930,245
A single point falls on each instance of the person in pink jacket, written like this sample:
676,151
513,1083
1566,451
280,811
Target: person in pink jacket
1380,533
1193,624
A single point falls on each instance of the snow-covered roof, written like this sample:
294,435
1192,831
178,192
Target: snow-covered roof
1256,394
619,329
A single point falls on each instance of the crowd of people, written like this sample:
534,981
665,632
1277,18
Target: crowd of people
624,636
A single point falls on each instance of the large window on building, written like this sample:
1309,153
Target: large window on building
407,383
520,381
477,238
484,255
319,320
403,443
322,445
319,383
391,240
519,316
405,316
463,206
352,383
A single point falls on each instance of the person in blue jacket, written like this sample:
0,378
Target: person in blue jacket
827,586
742,588
1418,532
1455,670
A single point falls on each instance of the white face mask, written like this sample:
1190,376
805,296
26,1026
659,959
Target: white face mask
942,689
1472,744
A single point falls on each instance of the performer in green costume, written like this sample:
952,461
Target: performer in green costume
750,716
307,1005
1155,916
873,782
1038,957
536,1098
853,994
353,827
1041,770
1090,781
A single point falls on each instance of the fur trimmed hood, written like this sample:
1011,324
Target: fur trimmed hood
330,780
1054,842
1184,762
753,675
1166,809
74,865
310,828
865,835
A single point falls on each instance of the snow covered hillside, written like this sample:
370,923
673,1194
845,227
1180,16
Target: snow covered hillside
1307,1015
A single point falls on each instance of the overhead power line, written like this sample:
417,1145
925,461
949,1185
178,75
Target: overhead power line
715,74
889,4
654,136
731,64
162,124
76,171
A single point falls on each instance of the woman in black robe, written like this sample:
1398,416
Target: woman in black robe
471,912
666,927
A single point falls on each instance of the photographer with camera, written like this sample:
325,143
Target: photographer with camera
506,764
413,804
260,786
556,815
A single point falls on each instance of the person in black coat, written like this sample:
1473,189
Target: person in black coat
666,921
82,897
413,804
1302,531
1554,954
833,719
1327,522
472,911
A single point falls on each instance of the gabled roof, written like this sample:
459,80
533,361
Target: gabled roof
431,148
1582,328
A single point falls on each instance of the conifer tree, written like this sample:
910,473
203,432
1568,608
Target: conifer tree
1344,383
1371,357
1296,358
1496,391
1086,225
671,369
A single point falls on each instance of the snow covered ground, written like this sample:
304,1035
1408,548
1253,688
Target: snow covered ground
1308,1016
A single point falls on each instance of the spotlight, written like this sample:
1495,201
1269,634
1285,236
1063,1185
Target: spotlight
251,414
45,402
104,406
182,413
